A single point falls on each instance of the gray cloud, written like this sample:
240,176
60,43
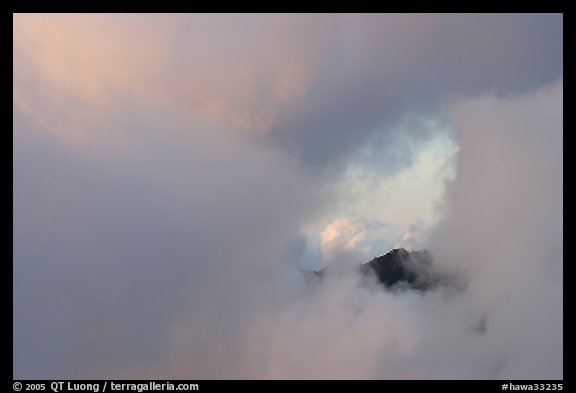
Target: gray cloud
317,85
160,190
505,225
111,250
376,67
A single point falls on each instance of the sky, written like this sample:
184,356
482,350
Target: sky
175,174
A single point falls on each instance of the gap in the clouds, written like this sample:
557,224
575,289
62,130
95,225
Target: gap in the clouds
387,195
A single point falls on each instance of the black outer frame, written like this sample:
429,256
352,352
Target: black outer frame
363,385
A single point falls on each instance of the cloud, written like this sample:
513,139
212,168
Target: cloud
317,85
502,228
166,167
341,235
238,70
375,68
122,242
412,239
505,224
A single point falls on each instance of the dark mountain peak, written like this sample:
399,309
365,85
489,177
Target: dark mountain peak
400,269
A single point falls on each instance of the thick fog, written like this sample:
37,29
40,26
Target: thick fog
165,167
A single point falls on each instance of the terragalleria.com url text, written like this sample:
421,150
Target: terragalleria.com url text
96,387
